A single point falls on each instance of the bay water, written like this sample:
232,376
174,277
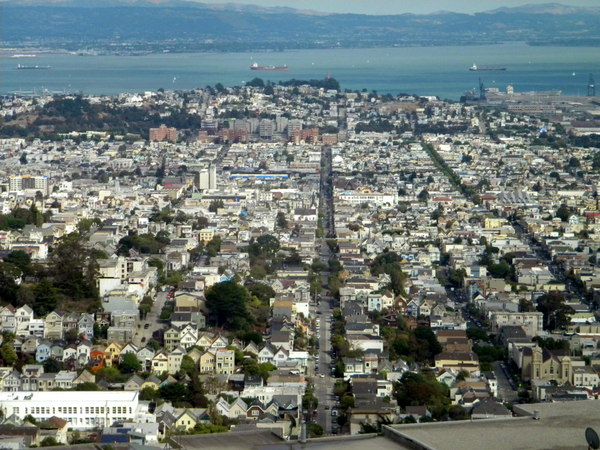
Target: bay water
441,71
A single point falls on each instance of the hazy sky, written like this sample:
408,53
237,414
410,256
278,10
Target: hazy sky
402,6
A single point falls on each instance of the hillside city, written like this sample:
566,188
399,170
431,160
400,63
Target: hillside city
292,258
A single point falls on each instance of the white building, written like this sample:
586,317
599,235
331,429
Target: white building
83,410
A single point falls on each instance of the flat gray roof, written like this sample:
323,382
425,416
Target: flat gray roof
265,440
561,426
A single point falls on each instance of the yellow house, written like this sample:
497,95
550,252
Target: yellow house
207,362
188,300
160,363
150,382
113,352
493,222
224,361
204,341
237,408
53,326
186,421
206,234
457,361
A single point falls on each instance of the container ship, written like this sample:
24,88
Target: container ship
476,68
255,66
21,67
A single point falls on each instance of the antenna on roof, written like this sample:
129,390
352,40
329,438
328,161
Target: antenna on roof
592,438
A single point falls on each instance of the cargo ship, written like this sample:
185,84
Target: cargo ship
476,68
21,67
255,66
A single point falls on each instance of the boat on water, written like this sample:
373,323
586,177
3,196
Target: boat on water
476,68
21,67
23,55
255,66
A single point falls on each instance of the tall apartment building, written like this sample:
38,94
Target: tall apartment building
206,179
293,125
266,129
281,123
163,133
22,182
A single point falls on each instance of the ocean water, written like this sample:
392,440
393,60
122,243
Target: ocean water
441,71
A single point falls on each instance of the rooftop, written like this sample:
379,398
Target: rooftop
561,426
69,396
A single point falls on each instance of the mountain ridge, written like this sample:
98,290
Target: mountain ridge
530,8
180,26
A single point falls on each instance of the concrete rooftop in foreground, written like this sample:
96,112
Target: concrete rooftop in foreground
265,440
561,426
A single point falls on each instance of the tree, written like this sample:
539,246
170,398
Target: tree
74,268
563,212
423,344
555,311
314,429
130,363
263,292
8,354
23,158
310,402
228,304
9,275
423,195
457,412
477,334
258,272
281,221
202,428
422,388
149,394
47,297
213,247
252,336
20,259
265,246
525,305
256,82
87,386
215,205
174,392
49,442
596,161
71,335
51,365
501,270
188,366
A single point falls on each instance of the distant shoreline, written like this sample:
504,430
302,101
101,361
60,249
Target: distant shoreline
6,52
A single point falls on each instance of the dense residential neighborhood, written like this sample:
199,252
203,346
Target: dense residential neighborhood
295,258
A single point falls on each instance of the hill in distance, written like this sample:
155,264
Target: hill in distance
157,25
